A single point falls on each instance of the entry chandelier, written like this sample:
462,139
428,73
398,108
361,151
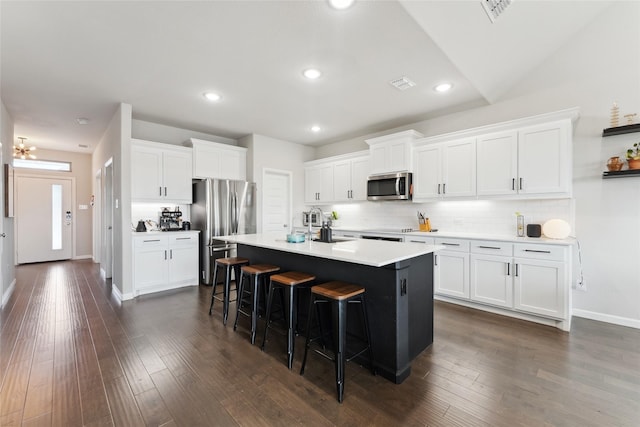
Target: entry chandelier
22,151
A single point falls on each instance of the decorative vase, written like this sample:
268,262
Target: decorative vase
614,164
634,163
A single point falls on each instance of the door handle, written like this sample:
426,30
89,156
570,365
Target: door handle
516,266
170,253
438,188
520,183
165,191
508,269
3,235
444,188
397,186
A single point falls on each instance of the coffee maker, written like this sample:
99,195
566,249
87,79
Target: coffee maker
170,220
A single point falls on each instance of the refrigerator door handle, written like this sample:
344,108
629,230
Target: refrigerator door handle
234,213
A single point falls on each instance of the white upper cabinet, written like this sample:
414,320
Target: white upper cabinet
445,170
531,161
160,172
215,160
350,179
318,183
392,153
544,159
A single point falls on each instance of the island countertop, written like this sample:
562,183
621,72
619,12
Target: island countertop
375,253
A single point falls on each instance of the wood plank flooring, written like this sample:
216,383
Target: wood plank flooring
71,355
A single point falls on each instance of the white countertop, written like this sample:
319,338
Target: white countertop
158,232
375,253
462,235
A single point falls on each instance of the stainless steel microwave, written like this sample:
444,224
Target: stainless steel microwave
393,186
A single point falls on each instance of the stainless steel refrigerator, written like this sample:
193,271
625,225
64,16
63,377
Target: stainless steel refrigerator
221,208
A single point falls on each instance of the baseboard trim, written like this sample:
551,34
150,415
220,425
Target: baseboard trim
608,318
7,294
83,257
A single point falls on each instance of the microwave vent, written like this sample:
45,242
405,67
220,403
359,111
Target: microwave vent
402,83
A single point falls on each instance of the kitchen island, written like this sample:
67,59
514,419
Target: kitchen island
398,278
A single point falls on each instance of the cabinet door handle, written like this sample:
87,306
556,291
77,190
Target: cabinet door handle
403,287
451,244
520,183
155,240
183,238
513,184
170,253
417,241
165,191
489,247
536,251
435,260
160,191
438,188
508,269
516,266
444,188
165,255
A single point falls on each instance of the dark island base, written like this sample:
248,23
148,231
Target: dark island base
399,300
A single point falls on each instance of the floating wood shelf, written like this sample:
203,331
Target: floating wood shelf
621,174
619,130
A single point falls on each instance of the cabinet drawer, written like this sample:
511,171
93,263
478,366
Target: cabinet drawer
491,247
547,252
150,241
420,239
182,239
455,245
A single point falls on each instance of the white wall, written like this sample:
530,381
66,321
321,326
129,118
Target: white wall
265,152
7,261
171,135
601,64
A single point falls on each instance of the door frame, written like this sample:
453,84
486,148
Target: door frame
106,255
18,174
271,171
96,205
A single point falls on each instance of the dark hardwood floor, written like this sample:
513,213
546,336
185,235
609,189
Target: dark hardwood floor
71,355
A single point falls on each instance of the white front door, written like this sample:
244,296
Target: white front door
43,218
276,201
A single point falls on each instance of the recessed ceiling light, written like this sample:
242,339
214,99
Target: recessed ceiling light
311,73
315,128
341,4
443,87
211,96
82,120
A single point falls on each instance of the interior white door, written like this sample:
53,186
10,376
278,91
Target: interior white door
44,215
276,201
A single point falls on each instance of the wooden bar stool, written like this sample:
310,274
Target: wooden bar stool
259,273
228,264
287,283
340,295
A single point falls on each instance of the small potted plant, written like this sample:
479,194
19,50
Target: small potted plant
633,156
334,218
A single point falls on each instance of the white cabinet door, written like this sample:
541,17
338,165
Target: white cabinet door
497,164
544,159
177,168
393,156
540,287
183,259
233,165
150,267
451,274
427,176
311,184
326,183
342,180
359,174
379,160
491,280
318,184
459,168
215,160
146,174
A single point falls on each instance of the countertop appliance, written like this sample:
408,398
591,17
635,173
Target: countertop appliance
221,208
170,220
393,186
313,217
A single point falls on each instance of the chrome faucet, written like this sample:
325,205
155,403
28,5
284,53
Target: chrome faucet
311,211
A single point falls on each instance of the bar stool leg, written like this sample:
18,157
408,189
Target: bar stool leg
365,322
213,288
226,297
308,337
339,309
268,315
254,307
239,291
290,328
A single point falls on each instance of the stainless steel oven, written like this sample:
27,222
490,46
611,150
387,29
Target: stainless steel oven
393,186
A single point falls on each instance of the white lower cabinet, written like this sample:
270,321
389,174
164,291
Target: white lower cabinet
532,279
164,261
451,268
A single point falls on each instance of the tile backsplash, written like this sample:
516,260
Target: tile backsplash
472,216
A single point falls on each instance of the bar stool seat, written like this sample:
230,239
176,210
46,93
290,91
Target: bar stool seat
233,263
287,282
339,294
259,272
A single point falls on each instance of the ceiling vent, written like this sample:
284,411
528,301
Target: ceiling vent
402,83
495,7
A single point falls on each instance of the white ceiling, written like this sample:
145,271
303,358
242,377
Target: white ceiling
64,60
